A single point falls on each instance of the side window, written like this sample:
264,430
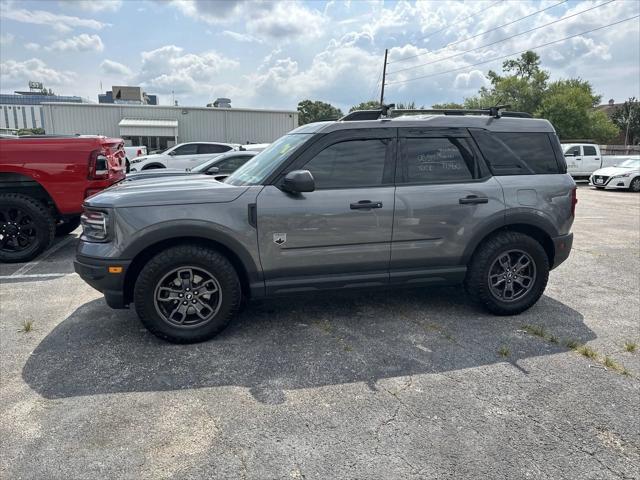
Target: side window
589,150
352,163
212,148
230,165
573,151
448,159
188,149
517,153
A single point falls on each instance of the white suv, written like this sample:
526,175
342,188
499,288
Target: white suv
182,156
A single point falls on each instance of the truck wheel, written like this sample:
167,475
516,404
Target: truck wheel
634,186
67,226
508,273
187,294
26,228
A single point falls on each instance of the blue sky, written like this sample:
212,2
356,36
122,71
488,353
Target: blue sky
274,54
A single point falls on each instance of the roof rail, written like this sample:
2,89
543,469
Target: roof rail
387,110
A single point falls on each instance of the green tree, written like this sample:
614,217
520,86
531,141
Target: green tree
407,106
31,131
523,87
447,105
627,119
369,105
317,111
570,106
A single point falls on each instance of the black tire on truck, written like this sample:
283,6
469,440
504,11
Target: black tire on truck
27,228
187,293
508,273
67,226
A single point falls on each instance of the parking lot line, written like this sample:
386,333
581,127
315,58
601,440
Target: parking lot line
35,275
31,265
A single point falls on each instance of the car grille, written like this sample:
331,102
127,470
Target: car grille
600,180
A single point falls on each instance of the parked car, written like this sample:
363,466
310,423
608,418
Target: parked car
43,182
625,175
439,199
182,156
220,166
254,147
585,158
133,152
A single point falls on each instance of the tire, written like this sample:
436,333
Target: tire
67,226
157,313
634,186
127,166
27,228
486,260
153,166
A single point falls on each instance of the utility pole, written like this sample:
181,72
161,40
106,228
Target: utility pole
384,74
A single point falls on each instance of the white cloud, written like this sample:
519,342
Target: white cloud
6,39
282,20
80,43
110,67
169,68
32,46
95,5
16,74
473,79
62,23
240,37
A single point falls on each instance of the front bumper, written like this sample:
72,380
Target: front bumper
562,247
609,183
97,274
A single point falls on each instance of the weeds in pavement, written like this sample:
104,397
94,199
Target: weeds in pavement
630,347
587,351
504,351
27,326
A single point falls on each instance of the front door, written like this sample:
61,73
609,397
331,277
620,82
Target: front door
590,159
573,157
183,156
443,193
340,234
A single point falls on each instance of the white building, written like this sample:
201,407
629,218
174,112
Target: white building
159,127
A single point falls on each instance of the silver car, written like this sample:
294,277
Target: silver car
477,198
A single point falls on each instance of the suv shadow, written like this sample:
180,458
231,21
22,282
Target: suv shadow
293,343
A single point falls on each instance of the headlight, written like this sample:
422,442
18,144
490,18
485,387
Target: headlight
95,225
137,160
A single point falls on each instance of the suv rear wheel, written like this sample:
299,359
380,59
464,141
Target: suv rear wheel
187,294
26,227
508,273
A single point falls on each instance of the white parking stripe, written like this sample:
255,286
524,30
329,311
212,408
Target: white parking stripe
35,275
32,265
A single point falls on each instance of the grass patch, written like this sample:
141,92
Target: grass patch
504,351
572,344
587,351
630,347
537,330
27,326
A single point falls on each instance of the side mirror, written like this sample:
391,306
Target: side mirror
299,181
212,170
571,154
172,153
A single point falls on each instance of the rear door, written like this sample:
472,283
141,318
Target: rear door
573,157
182,156
443,194
340,234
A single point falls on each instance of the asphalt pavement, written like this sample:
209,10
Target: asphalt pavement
394,384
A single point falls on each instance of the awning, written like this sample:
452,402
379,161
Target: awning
148,127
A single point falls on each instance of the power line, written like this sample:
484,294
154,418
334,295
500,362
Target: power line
515,53
481,33
502,40
461,20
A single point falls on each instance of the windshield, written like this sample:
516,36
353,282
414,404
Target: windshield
256,170
631,163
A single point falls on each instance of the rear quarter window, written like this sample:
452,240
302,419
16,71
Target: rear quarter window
521,153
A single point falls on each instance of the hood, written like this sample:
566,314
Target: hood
611,171
156,173
180,190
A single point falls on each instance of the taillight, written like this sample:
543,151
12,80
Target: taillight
98,165
574,201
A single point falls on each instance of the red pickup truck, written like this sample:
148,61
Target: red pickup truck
43,183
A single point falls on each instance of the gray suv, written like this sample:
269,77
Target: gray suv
446,197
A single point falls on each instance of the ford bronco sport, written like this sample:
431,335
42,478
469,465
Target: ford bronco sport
446,197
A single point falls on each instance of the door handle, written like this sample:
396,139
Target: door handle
472,200
365,204
579,159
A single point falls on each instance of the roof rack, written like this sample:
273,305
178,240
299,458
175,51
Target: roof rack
387,110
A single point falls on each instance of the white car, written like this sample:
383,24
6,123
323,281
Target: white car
182,156
625,175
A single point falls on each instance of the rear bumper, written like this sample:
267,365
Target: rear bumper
96,273
562,247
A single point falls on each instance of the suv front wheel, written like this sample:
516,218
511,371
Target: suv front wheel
187,294
508,273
